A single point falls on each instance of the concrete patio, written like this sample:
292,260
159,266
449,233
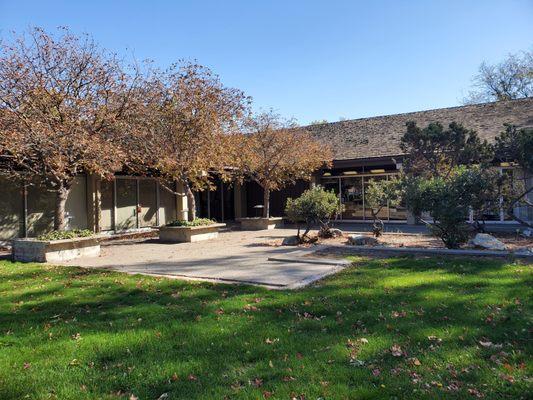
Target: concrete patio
234,257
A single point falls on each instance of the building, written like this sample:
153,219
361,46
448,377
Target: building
364,149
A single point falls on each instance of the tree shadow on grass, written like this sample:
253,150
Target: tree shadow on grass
137,332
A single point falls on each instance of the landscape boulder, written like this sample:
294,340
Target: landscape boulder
524,251
488,242
334,232
327,232
290,241
361,240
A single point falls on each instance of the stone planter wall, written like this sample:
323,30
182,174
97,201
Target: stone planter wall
259,224
33,250
181,234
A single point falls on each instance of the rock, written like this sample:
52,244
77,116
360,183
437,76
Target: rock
326,232
528,232
524,251
290,241
334,232
360,240
486,241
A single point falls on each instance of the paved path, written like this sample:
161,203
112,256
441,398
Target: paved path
238,257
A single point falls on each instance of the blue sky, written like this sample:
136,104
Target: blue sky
307,59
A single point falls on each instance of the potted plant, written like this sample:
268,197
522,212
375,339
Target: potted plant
57,246
190,231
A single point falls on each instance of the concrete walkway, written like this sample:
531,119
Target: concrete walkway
234,257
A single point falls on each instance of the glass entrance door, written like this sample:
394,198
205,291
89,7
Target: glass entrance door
352,198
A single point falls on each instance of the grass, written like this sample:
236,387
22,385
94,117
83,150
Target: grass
385,328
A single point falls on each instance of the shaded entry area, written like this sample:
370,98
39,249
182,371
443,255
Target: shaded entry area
217,204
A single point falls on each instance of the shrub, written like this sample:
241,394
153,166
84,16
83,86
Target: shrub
379,194
60,235
448,200
195,222
315,205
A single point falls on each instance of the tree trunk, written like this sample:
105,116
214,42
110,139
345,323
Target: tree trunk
266,202
60,221
191,201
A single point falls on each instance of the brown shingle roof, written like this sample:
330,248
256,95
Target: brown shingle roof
380,136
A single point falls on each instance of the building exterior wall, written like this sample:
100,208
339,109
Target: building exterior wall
130,202
99,205
11,210
29,211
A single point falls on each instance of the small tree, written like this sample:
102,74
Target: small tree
379,194
63,100
314,206
275,153
184,126
510,79
449,200
435,151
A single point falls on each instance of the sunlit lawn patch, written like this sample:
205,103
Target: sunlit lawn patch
386,328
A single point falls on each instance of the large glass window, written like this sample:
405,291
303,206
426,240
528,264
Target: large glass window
331,184
384,212
352,197
351,190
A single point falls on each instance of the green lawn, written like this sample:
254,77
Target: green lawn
385,328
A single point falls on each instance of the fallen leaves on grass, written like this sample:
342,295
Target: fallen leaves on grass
288,378
398,314
396,350
257,382
476,393
415,361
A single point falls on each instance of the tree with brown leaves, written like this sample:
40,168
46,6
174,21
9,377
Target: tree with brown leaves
276,153
63,100
184,127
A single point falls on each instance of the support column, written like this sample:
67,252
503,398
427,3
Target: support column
315,180
182,207
239,196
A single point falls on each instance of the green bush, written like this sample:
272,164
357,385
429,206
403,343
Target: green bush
379,194
195,222
315,205
60,235
448,200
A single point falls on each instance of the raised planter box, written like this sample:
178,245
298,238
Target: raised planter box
182,234
259,224
33,250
